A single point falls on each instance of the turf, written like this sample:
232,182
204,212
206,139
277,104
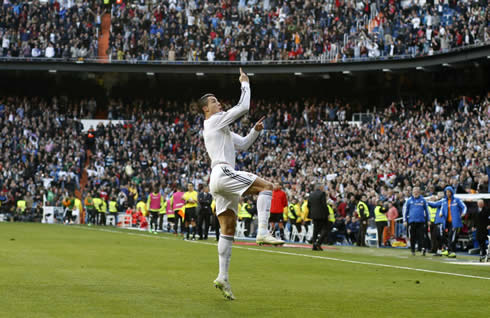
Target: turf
76,271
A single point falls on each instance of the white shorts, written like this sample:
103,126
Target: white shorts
227,186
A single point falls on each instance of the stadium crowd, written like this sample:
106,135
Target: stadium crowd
241,30
41,145
51,29
307,142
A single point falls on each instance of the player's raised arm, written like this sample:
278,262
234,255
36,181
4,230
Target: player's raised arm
243,143
239,109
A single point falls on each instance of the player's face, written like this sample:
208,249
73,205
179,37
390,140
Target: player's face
214,106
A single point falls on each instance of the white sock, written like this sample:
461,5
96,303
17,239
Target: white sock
224,251
263,211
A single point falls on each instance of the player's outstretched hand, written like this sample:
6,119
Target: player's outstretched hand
243,76
260,124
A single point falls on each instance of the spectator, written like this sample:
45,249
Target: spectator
482,227
50,51
392,215
416,214
352,228
317,205
416,148
455,210
244,30
278,205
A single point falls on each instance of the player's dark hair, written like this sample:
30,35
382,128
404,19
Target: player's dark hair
203,101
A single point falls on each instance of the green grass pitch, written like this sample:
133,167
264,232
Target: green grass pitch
77,271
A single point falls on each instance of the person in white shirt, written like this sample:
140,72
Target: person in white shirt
35,52
228,185
6,43
210,55
49,51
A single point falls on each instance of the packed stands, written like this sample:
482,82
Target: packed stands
245,31
410,143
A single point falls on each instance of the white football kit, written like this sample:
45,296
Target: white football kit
226,184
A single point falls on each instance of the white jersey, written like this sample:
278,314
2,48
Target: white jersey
220,142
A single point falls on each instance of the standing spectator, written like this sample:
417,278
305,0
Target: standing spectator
154,204
294,215
482,227
416,215
244,215
21,209
438,228
205,199
381,220
363,213
68,203
243,55
169,211
162,212
318,211
455,209
190,198
101,207
392,214
177,203
278,204
89,206
113,209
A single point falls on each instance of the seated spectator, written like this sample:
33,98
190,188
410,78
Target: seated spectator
352,227
241,30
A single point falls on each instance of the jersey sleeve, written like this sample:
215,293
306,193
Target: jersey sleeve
243,143
237,111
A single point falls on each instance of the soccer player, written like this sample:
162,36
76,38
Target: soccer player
228,185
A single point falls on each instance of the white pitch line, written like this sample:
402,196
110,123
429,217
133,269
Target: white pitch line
296,254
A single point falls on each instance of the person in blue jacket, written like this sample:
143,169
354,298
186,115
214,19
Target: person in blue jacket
454,209
416,215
